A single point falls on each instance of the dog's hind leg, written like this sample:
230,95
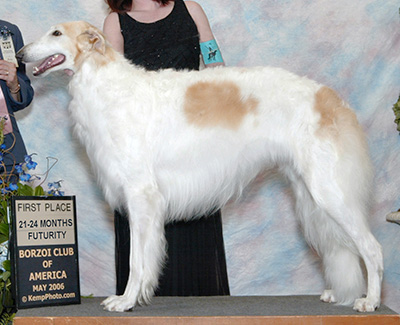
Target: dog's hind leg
340,188
342,266
320,232
145,209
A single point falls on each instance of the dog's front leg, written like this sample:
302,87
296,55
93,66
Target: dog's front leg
146,209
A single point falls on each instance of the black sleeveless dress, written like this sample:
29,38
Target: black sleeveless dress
196,263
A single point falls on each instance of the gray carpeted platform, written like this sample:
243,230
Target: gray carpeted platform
208,306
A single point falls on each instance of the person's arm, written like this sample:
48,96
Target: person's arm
207,41
112,30
18,86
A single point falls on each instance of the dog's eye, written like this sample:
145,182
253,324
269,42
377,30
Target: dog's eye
57,33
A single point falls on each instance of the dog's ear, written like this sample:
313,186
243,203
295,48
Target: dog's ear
92,39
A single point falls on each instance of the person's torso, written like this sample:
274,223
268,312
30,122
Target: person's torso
172,42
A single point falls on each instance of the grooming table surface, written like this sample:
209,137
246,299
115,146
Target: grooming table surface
210,310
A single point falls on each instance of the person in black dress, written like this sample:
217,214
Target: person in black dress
160,34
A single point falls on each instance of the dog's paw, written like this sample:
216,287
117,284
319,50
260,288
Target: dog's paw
328,296
118,303
366,304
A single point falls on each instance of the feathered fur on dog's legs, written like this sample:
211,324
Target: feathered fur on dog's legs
343,270
332,199
322,233
341,231
341,236
146,220
343,275
346,203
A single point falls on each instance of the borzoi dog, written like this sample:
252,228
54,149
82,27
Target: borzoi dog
191,140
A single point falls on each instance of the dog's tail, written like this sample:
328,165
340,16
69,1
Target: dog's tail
340,127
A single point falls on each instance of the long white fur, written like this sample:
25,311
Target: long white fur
152,161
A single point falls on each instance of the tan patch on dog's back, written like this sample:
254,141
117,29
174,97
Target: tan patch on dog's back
217,104
335,115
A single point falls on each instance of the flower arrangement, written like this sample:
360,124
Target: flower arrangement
18,181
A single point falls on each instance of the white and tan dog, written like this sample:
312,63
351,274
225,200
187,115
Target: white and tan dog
166,145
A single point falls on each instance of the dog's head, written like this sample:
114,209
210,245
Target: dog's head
64,47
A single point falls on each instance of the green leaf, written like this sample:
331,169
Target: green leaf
3,209
6,275
38,191
9,300
89,296
4,229
4,205
7,265
25,190
3,238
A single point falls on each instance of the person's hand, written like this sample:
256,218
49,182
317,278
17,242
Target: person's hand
8,73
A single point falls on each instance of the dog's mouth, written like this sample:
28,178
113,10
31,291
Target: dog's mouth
48,63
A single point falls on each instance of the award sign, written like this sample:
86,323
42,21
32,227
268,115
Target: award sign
44,251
